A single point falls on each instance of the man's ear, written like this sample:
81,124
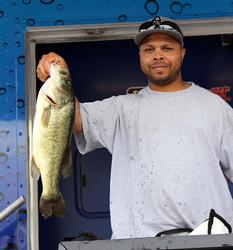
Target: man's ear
183,53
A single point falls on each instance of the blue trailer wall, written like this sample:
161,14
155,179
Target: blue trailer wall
15,17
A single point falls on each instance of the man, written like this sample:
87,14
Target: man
171,144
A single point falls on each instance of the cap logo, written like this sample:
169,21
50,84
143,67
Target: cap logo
156,22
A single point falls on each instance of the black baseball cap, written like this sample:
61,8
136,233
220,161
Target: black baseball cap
159,24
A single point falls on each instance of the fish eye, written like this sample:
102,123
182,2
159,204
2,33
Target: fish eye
62,72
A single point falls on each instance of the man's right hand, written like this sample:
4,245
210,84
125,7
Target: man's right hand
43,73
44,65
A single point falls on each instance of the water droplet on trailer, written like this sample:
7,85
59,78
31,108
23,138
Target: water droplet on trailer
17,20
3,157
22,149
20,103
26,1
31,21
4,133
46,1
2,91
17,34
18,44
59,22
21,60
2,196
187,6
152,7
122,18
5,45
60,7
176,7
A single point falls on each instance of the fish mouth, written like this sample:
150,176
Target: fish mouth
51,100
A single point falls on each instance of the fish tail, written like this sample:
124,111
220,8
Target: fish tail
54,206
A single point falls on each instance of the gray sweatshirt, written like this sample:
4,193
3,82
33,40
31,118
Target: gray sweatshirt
171,155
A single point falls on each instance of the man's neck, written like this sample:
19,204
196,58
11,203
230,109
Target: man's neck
171,87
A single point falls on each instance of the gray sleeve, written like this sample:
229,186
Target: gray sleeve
226,147
99,120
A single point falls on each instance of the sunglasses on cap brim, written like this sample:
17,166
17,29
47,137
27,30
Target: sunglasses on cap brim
159,24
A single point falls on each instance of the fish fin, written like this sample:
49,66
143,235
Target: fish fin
54,206
66,164
35,171
46,116
45,207
59,206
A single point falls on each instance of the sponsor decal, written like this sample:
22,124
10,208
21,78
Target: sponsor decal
133,90
222,91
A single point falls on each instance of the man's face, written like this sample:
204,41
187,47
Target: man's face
161,58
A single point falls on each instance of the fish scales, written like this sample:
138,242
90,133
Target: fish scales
52,129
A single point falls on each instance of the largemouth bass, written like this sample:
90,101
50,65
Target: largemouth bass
52,130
